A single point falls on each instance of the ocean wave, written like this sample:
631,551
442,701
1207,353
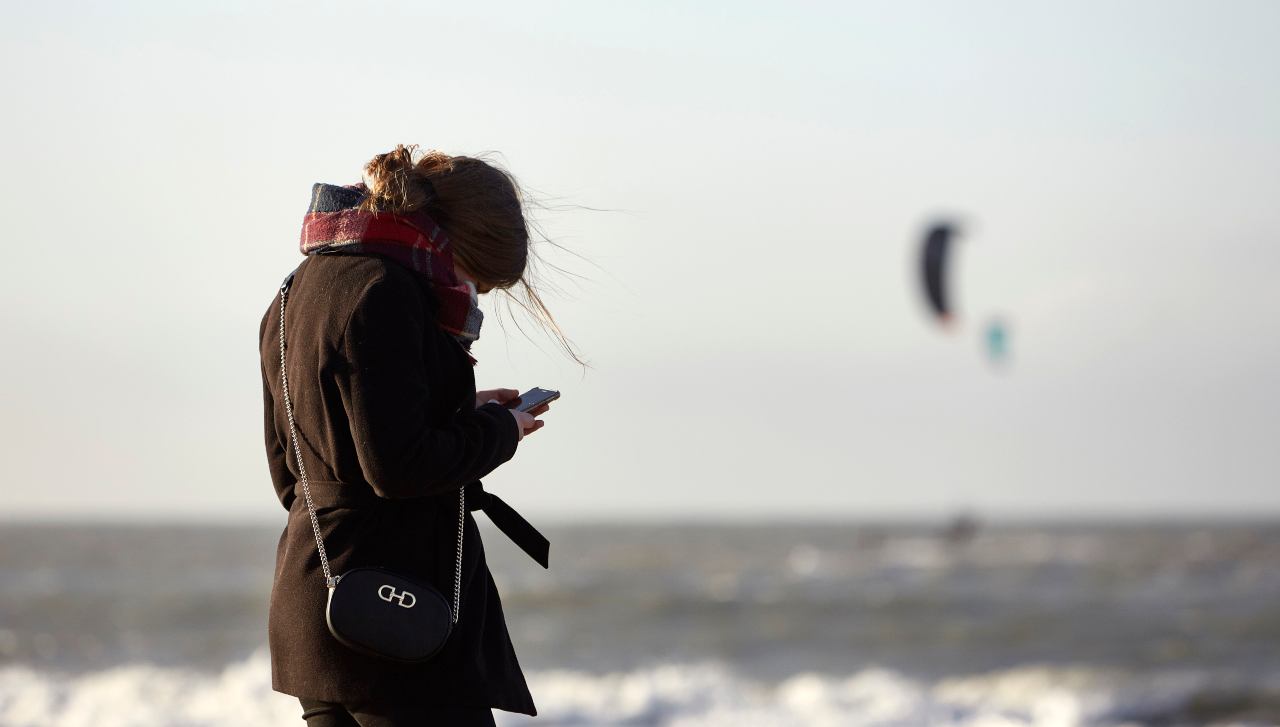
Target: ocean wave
676,695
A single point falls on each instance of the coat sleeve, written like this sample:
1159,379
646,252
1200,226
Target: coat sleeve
277,456
386,389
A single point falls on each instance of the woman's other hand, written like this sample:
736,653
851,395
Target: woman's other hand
505,397
527,422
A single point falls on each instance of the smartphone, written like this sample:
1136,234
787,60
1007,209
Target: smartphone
536,397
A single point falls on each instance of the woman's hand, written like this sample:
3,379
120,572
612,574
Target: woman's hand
505,397
527,422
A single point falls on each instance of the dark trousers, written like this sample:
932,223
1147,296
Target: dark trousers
332,714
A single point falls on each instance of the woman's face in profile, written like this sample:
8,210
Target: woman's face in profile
465,275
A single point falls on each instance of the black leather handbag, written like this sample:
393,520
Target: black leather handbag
373,610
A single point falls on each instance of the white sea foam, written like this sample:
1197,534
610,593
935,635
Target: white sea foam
705,695
145,696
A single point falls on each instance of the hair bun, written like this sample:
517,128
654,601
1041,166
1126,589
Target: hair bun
393,181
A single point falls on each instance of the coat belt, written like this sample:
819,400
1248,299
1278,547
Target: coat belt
503,516
512,525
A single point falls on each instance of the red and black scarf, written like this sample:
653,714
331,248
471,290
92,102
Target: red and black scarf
334,223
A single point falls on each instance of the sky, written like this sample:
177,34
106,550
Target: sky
738,190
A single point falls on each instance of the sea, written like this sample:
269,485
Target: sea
698,625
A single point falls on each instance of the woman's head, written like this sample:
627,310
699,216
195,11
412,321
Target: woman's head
478,204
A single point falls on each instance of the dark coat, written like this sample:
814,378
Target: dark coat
384,403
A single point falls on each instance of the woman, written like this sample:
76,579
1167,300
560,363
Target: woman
379,319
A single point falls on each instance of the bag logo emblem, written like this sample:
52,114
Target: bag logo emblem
388,593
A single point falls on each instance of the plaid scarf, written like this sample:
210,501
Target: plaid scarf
335,224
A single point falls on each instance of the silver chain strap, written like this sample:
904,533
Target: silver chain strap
457,569
329,580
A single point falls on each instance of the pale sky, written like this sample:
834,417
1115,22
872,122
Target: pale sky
750,310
